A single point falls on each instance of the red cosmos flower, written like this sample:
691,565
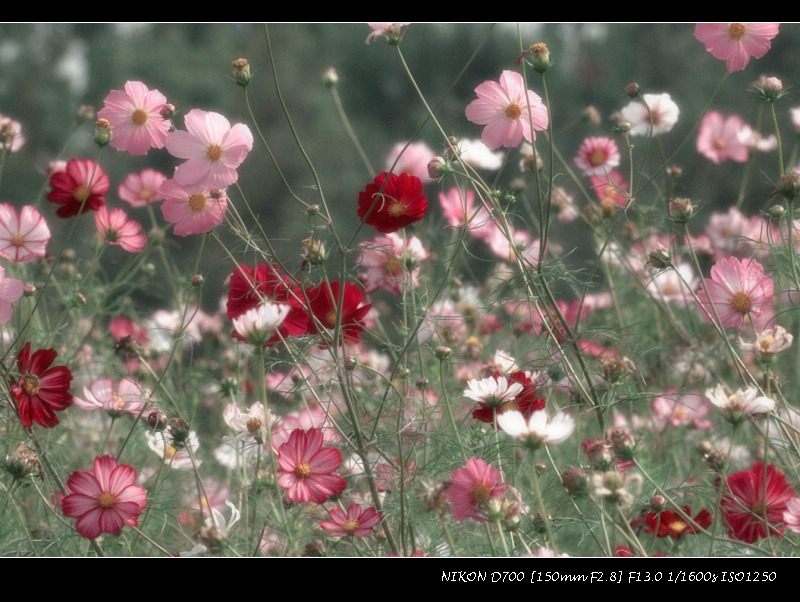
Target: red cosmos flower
80,178
250,287
755,502
104,499
392,206
354,523
41,390
305,468
322,301
525,402
666,522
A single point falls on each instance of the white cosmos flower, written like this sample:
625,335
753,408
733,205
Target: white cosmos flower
536,430
661,106
740,405
258,324
494,392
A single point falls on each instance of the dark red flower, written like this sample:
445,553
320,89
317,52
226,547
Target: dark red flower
249,287
71,186
322,301
525,402
755,502
41,390
392,206
666,522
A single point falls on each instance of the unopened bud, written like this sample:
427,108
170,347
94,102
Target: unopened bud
330,77
241,72
23,461
777,211
29,290
575,481
438,168
789,185
179,431
157,420
314,251
443,352
422,384
624,126
167,111
312,209
102,132
197,280
623,443
659,258
540,57
681,210
632,90
658,503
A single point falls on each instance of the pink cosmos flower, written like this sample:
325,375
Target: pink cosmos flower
737,288
306,468
791,515
689,409
116,229
503,108
472,487
458,207
11,137
140,189
212,148
597,156
390,31
193,209
611,189
104,499
10,290
735,43
23,234
353,524
413,159
391,263
125,397
135,118
719,140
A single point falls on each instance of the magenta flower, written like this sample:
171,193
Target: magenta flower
719,139
735,43
116,229
306,468
81,187
503,108
104,500
737,288
10,290
390,31
597,156
212,148
140,189
135,118
193,209
472,487
354,523
756,502
23,234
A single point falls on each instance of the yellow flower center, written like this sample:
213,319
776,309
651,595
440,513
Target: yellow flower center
331,318
598,157
30,384
302,471
513,111
508,406
396,209
214,152
80,193
393,266
481,493
197,202
737,30
145,194
350,526
720,143
139,117
17,240
741,303
677,527
106,501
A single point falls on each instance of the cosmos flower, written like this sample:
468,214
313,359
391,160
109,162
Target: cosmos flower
735,43
135,118
737,288
306,468
79,188
42,389
471,488
356,523
23,234
755,503
660,108
116,229
597,156
392,201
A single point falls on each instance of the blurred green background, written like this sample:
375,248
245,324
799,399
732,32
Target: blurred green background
48,70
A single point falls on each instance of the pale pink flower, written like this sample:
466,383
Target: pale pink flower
116,229
732,233
740,405
390,31
752,139
305,419
478,155
668,285
140,189
135,118
412,159
391,263
737,288
718,138
768,343
537,430
248,425
23,235
172,457
353,524
125,397
212,148
11,289
459,208
597,156
257,325
504,109
11,137
193,209
660,108
791,516
735,43
104,499
471,489
689,409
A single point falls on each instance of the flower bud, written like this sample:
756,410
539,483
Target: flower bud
681,210
624,126
622,443
438,168
659,258
197,280
179,431
442,352
167,111
330,77
575,481
632,90
241,72
598,454
314,251
789,185
658,503
777,211
102,132
540,57
29,290
22,462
